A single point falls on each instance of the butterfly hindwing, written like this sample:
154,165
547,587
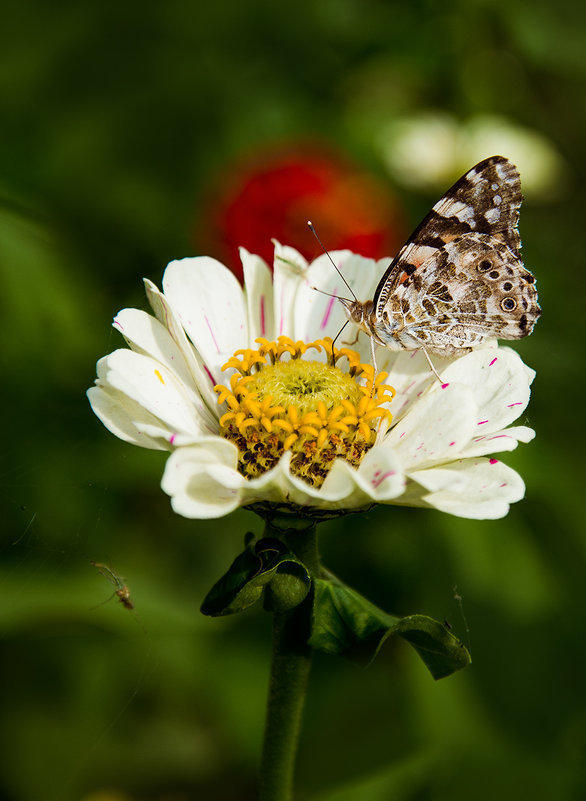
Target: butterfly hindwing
470,290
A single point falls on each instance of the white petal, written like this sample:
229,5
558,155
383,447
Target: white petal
383,471
435,429
127,419
409,375
279,486
287,254
210,304
378,479
203,377
202,480
258,291
475,488
148,336
171,439
504,440
288,274
500,383
154,387
317,315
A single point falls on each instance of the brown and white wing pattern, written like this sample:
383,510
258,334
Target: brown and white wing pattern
460,279
469,291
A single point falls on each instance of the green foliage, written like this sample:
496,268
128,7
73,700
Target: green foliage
115,119
347,624
263,567
343,622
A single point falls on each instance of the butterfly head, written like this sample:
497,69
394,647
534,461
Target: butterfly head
359,313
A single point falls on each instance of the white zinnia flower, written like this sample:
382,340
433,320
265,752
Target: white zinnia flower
301,433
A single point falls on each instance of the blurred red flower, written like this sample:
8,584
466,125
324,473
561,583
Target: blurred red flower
272,195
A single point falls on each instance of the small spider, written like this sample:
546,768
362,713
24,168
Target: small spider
121,590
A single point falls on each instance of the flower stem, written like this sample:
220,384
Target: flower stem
290,667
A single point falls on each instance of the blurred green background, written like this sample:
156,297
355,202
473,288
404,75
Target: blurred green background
116,116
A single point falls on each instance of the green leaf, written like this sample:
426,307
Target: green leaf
347,624
442,652
265,566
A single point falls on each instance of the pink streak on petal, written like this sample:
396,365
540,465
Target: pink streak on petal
510,405
118,325
445,385
452,443
403,434
493,461
210,376
211,332
171,439
493,361
326,317
482,422
376,483
262,316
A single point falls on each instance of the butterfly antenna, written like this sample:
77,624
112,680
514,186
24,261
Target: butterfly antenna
328,294
335,266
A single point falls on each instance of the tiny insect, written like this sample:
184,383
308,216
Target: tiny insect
121,589
459,280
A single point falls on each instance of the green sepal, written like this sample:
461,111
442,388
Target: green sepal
346,624
265,566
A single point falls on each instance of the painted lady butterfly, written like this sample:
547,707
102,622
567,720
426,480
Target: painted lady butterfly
459,280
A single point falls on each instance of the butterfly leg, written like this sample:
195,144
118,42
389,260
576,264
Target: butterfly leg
355,340
433,370
372,351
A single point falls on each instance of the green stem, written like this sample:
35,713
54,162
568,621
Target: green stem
290,667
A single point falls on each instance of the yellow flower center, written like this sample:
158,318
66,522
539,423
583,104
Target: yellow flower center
279,401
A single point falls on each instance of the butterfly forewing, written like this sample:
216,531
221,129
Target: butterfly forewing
486,200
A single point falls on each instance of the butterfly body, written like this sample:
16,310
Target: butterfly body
459,280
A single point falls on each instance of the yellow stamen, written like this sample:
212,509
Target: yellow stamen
289,441
279,401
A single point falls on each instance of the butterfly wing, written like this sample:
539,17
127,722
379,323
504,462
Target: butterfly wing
485,200
472,289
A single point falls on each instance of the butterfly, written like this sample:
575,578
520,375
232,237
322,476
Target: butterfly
459,280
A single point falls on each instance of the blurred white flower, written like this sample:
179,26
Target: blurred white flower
282,426
431,149
421,151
